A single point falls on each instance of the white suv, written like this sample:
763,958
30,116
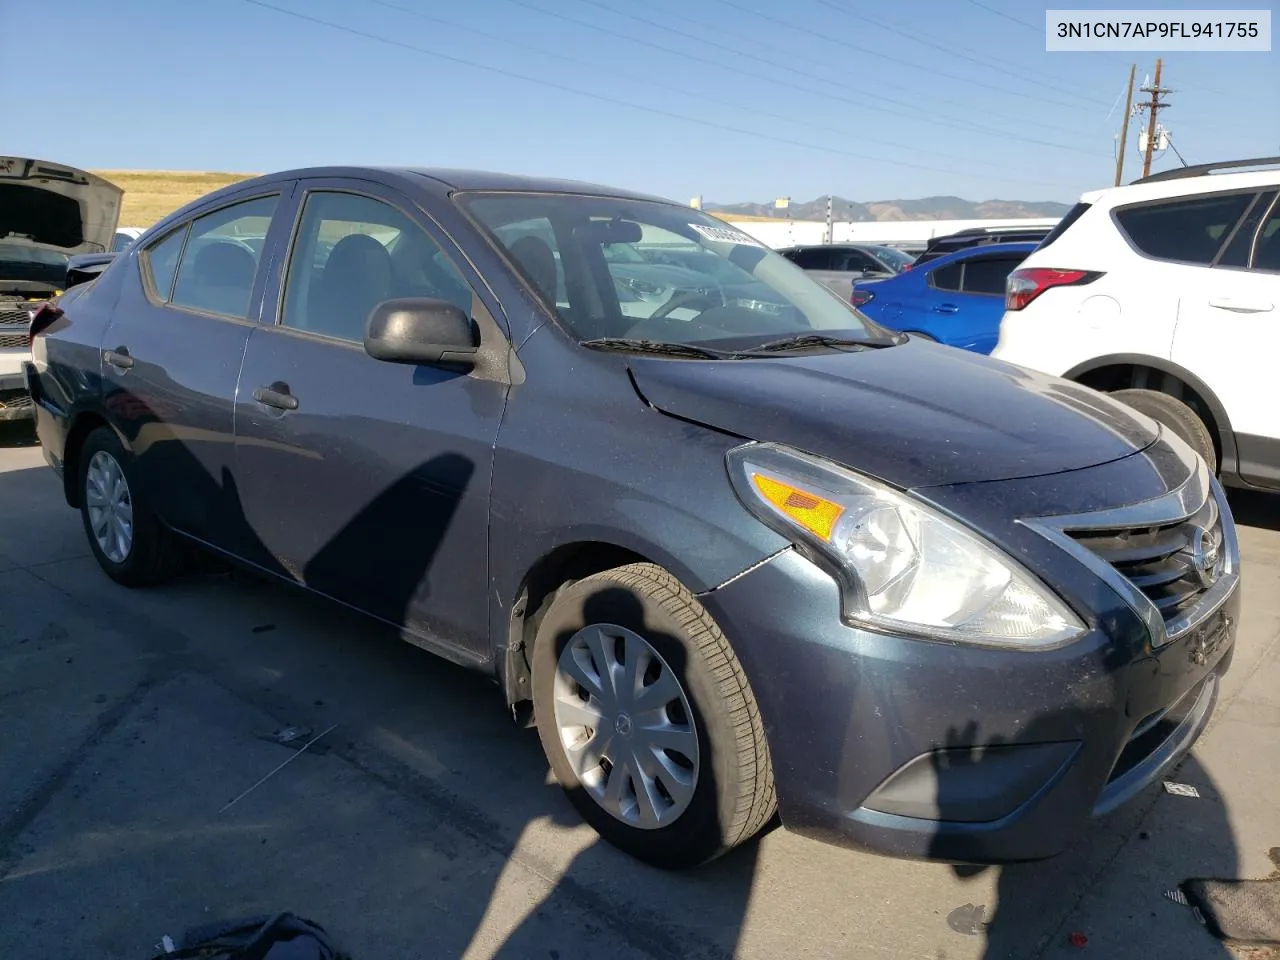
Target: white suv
1166,292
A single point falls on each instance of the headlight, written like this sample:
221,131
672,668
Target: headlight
903,567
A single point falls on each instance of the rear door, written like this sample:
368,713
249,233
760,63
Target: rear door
1228,335
171,354
364,480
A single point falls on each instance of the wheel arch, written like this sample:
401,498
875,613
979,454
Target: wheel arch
564,564
1124,370
83,423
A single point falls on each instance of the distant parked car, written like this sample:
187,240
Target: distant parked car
49,212
978,237
125,236
1166,293
838,265
957,299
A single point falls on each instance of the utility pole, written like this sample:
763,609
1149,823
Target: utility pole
1154,106
1124,128
828,238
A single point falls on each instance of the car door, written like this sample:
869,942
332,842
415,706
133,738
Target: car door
171,354
975,323
365,480
1228,335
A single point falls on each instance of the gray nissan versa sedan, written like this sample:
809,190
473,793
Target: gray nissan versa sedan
743,552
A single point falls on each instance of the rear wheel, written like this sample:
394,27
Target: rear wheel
128,541
1177,416
647,719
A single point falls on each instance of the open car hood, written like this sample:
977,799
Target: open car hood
914,415
56,207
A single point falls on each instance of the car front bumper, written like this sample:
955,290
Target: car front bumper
957,753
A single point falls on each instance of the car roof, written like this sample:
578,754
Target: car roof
1018,246
1185,186
441,180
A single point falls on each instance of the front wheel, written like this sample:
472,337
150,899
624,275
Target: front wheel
127,539
647,719
1177,416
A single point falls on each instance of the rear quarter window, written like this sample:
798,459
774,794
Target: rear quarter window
1186,230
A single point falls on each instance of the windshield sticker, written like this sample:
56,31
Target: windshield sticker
724,235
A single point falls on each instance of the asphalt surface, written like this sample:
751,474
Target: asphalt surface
424,822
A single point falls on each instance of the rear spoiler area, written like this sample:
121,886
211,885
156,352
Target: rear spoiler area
85,267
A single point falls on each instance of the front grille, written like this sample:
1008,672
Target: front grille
13,340
17,318
16,401
1172,564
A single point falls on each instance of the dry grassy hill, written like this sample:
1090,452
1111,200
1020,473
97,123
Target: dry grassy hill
150,194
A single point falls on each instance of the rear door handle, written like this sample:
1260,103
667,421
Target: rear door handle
119,357
1241,306
946,308
277,395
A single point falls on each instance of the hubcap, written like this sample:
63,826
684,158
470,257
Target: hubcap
106,494
626,726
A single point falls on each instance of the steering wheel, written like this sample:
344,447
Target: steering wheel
685,301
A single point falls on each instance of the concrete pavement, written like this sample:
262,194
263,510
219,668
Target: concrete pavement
424,824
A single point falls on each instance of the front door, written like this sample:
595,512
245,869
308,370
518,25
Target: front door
1228,335
365,480
171,357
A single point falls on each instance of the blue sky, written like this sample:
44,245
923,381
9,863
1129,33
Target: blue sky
743,99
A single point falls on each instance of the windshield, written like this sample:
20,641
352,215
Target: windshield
894,258
618,268
23,261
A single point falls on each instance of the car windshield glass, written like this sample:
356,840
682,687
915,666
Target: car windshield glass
894,258
15,252
647,270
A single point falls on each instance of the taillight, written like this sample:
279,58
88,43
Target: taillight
1026,284
860,297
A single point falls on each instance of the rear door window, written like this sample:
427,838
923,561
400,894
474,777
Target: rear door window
161,259
813,258
1187,230
221,257
988,274
948,277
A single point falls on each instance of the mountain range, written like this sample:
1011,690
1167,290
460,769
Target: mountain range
926,208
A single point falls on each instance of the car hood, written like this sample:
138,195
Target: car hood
913,415
56,207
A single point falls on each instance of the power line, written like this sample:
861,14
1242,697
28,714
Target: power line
614,101
1040,29
721,30
898,60
613,71
861,17
860,104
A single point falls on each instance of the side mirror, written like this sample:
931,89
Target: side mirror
419,330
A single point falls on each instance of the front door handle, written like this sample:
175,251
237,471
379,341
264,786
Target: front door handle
119,358
277,395
946,308
1241,306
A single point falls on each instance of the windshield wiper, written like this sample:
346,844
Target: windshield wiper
801,341
655,346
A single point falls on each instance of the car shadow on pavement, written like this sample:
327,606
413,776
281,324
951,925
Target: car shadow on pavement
601,903
1115,871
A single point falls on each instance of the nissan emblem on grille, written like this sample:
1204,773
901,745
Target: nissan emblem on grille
1205,552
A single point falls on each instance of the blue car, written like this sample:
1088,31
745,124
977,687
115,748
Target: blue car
957,299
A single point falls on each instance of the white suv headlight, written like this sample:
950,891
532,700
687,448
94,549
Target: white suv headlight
903,567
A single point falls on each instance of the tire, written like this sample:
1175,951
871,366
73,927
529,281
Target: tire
727,794
153,554
1177,416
